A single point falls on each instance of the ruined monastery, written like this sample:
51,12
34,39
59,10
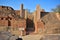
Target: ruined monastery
36,22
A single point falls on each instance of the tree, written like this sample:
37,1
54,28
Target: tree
57,9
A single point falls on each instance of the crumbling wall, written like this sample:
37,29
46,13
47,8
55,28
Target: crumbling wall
51,23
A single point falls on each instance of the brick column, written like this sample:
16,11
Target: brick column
36,28
21,11
35,22
37,15
26,14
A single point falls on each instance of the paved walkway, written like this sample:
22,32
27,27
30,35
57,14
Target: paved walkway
44,37
32,37
7,36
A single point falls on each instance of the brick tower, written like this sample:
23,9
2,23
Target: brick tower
38,10
37,18
21,11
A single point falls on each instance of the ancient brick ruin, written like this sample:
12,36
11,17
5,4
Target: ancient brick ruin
17,20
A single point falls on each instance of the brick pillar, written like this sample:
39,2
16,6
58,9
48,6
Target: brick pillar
38,10
21,11
36,28
26,14
35,22
37,18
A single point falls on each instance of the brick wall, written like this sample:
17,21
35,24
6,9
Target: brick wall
16,24
40,26
3,25
3,22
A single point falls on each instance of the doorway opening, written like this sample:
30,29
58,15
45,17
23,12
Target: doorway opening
9,23
30,28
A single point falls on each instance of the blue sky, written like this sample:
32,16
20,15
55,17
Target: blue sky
31,4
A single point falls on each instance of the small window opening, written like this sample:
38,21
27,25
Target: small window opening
1,18
6,18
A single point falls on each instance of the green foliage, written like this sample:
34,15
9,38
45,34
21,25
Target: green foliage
57,9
